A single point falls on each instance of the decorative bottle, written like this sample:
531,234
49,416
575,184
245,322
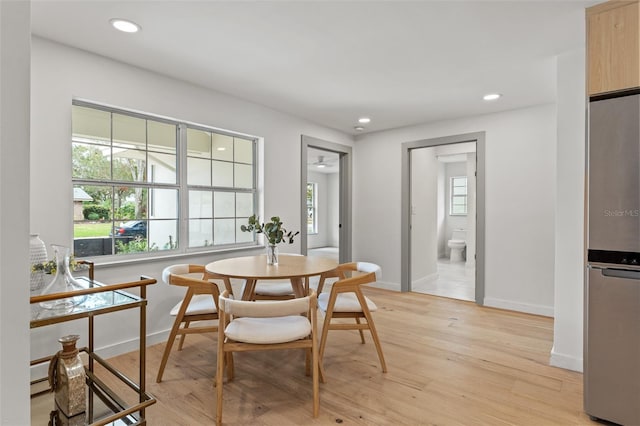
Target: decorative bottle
63,282
37,254
67,378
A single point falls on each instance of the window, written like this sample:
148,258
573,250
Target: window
458,196
312,208
133,173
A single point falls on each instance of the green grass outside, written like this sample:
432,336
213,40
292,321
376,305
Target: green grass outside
81,230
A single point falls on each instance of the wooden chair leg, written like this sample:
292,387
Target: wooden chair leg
219,374
230,366
315,373
323,337
374,336
307,362
360,330
182,336
326,325
167,348
221,361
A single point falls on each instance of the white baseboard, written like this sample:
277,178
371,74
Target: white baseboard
565,361
546,311
386,285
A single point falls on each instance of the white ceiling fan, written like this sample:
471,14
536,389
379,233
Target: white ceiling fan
321,164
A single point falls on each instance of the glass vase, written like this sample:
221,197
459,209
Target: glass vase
37,254
272,254
63,282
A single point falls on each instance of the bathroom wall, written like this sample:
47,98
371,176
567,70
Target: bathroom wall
424,176
465,153
452,222
471,211
441,207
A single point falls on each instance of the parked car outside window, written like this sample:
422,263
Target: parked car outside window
132,228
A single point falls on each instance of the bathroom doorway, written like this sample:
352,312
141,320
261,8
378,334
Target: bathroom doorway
443,217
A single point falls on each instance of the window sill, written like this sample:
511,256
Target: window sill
98,262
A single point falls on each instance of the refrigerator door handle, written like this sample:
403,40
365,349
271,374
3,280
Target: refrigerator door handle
621,273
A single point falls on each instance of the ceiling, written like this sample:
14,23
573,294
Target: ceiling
331,62
321,161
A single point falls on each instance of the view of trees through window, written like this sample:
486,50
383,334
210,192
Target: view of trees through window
312,220
128,184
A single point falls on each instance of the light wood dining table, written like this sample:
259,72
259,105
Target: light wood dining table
295,268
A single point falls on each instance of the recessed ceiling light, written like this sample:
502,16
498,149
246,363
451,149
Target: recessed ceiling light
321,166
358,128
364,120
221,148
124,25
492,96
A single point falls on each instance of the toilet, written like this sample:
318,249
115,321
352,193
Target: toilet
457,244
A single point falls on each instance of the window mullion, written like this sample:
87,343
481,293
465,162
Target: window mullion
183,191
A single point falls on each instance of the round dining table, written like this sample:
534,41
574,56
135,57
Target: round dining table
253,268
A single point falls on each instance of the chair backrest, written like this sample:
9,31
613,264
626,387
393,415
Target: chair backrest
368,267
363,267
177,275
276,308
181,269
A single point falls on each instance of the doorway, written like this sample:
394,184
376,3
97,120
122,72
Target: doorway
443,217
326,199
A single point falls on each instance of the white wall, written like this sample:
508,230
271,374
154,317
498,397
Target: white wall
471,211
424,226
59,74
322,237
328,210
441,215
15,28
520,188
453,169
333,209
569,241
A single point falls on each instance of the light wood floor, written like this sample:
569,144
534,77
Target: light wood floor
450,363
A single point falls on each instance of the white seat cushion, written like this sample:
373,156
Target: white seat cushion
200,304
268,330
275,288
345,302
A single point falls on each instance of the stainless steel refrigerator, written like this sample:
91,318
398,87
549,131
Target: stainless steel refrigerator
612,285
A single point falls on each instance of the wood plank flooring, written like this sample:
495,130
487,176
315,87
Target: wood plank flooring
450,363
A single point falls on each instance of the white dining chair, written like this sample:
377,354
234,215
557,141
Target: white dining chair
346,300
200,303
267,325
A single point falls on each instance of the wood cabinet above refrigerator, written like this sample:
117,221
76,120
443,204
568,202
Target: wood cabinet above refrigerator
613,47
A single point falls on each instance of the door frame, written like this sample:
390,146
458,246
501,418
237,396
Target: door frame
345,188
479,139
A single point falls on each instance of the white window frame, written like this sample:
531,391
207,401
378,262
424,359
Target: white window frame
181,186
458,197
313,206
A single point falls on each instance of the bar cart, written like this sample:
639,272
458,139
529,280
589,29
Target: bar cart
105,406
